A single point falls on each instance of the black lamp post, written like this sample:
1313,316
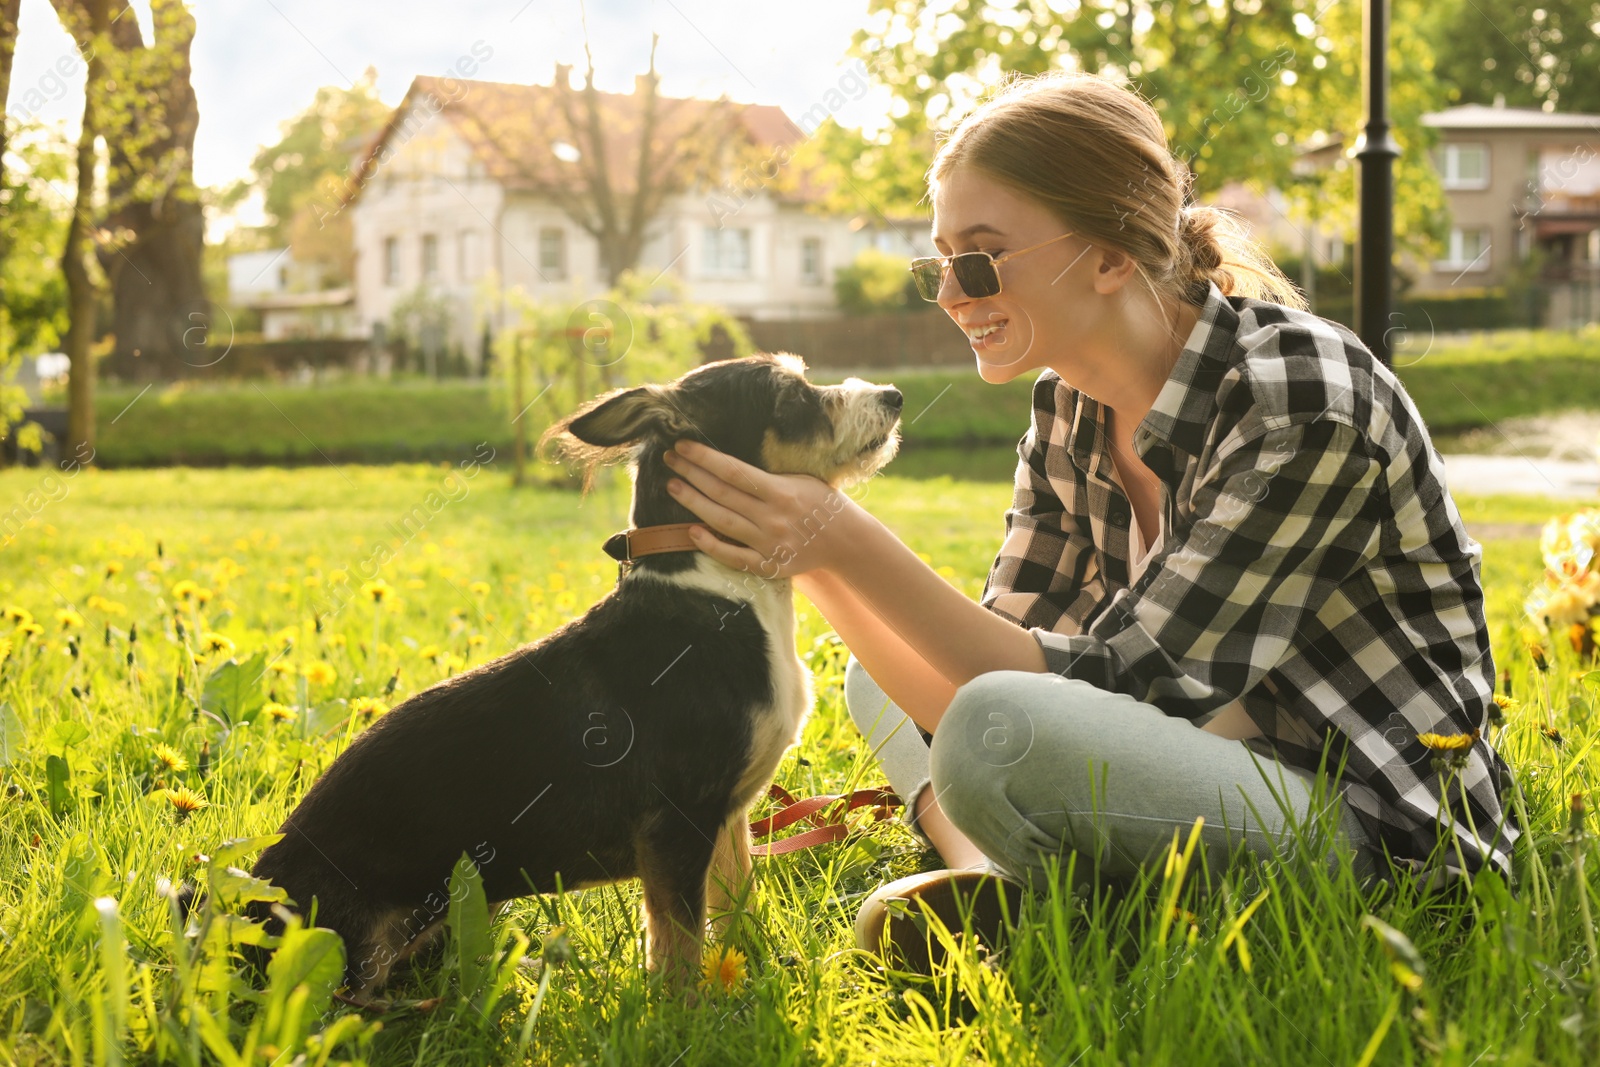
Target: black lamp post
1377,151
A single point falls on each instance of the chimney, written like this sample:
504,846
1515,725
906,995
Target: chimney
563,75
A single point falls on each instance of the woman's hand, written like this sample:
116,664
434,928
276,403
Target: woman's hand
788,523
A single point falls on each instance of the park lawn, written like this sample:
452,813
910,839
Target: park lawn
1458,385
1264,969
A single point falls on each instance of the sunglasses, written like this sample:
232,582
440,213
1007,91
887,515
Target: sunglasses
977,273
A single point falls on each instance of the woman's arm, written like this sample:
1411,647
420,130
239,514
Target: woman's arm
911,682
791,524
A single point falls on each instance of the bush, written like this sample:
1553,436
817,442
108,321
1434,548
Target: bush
876,281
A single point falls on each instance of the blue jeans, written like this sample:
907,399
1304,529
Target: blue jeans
1034,766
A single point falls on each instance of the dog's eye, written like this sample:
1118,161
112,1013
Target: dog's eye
799,413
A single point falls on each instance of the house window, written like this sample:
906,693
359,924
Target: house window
553,252
811,261
1468,250
469,255
1466,166
430,257
391,261
727,251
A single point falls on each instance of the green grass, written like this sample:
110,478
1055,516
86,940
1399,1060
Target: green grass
1506,980
1457,385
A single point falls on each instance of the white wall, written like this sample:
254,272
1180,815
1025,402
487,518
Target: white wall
429,184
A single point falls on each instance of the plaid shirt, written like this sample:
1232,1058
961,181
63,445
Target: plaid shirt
1312,566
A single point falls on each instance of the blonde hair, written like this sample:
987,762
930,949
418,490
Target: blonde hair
1096,154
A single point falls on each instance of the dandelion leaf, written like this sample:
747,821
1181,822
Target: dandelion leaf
233,886
230,852
233,690
469,922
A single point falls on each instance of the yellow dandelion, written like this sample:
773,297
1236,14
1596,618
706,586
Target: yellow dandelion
1448,742
30,629
202,595
185,801
479,588
279,666
368,707
279,712
18,616
319,673
337,640
1506,703
107,607
170,759
454,662
69,619
185,589
378,589
430,652
5,647
312,581
215,642
113,568
285,637
722,969
477,640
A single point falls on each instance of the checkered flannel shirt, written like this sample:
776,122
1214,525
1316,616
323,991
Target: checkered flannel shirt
1313,566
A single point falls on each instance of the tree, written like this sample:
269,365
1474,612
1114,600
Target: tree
148,117
9,12
610,164
1544,54
1239,84
88,22
304,177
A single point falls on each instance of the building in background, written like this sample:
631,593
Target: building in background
1521,184
450,205
290,299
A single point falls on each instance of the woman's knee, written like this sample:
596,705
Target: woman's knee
985,733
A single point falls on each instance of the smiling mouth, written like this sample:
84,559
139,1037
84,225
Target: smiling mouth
978,333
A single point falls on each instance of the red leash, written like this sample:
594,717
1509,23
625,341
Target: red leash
824,813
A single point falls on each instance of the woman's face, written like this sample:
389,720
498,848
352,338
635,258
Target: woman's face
1046,306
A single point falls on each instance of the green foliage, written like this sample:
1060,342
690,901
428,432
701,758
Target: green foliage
309,169
570,352
1531,54
33,231
875,281
1239,84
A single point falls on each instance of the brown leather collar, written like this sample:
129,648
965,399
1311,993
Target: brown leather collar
629,545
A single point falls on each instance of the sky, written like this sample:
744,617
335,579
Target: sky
259,62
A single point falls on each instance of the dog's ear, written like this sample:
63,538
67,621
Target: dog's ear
623,417
606,429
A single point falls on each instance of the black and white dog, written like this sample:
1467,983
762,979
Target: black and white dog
629,743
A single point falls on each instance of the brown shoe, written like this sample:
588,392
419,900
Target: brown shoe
893,921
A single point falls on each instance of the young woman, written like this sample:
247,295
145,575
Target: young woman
1233,585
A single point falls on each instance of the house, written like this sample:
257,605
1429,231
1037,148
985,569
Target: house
289,298
1520,182
460,197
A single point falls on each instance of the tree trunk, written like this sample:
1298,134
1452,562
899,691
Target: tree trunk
9,10
160,313
81,289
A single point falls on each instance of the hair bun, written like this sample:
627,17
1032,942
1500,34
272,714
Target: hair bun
1197,230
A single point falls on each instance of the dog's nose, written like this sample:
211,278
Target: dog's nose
892,399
